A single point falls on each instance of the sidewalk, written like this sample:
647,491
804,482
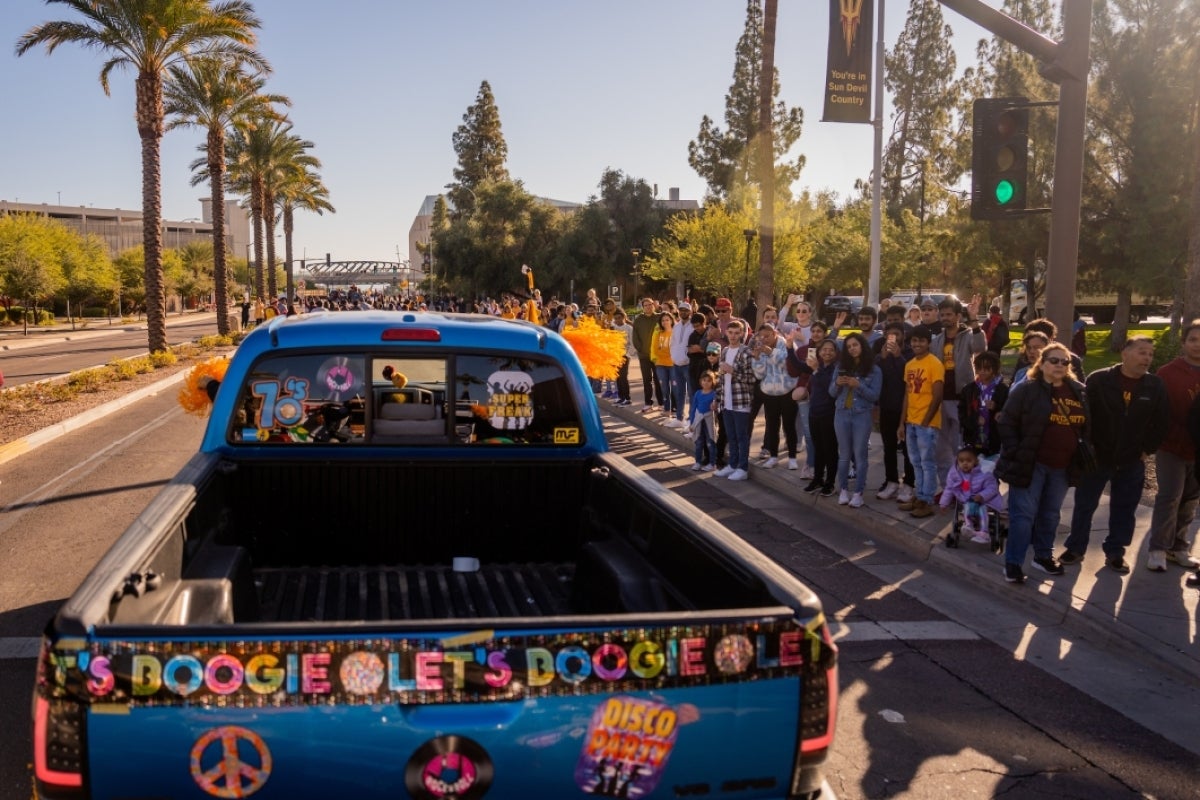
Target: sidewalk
1154,615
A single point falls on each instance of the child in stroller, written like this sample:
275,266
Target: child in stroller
974,492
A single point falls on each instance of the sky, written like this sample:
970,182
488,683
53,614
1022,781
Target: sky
380,86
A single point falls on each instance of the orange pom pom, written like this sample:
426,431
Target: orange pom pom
600,350
193,397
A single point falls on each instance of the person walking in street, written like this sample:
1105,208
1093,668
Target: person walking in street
1040,429
1174,463
820,420
1129,415
736,387
891,357
769,359
957,345
922,417
855,387
643,342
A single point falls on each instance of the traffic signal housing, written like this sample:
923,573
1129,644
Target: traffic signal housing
999,157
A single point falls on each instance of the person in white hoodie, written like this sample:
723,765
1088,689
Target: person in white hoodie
680,362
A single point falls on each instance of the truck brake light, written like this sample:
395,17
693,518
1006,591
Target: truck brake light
412,335
58,746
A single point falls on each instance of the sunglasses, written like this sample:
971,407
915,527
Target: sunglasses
1058,362
803,311
724,311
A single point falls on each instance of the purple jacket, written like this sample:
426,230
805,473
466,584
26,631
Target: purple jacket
981,483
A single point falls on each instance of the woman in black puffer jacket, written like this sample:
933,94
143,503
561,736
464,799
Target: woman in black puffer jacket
1040,428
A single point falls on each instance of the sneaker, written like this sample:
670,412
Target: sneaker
843,497
697,467
1069,558
905,494
770,463
967,529
673,423
708,468
981,537
764,454
812,487
739,475
1120,565
1013,573
1156,561
887,491
792,464
806,473
625,402
1049,565
724,472
647,409
922,510
1193,580
827,490
1183,559
856,500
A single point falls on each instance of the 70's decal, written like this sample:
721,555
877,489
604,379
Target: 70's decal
281,405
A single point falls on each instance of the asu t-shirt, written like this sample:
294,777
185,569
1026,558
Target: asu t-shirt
920,374
1061,435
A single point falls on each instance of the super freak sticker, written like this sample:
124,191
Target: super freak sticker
626,747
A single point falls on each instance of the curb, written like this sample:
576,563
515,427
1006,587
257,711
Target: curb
926,545
21,446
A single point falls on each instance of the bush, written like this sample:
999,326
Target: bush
122,369
94,313
44,317
163,359
89,380
1167,346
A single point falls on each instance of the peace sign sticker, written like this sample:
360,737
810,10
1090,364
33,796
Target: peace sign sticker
217,765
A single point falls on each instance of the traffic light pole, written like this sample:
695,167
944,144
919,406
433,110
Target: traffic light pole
1065,63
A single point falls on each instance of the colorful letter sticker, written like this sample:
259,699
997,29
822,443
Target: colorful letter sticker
627,746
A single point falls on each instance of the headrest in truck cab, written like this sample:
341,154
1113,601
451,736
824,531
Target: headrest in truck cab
408,411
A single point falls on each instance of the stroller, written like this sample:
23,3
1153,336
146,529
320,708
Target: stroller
997,527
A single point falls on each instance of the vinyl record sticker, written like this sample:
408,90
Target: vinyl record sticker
449,768
339,378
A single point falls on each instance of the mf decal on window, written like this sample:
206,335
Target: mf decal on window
566,435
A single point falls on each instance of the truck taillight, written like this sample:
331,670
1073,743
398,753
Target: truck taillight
818,713
58,737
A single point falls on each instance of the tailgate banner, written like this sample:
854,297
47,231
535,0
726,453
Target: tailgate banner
426,670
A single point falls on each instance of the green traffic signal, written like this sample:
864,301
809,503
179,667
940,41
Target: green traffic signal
1004,192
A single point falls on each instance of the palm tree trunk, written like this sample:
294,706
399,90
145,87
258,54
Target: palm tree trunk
269,226
287,251
256,213
150,128
216,173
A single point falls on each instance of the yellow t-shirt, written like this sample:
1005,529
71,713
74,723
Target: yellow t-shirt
661,349
920,374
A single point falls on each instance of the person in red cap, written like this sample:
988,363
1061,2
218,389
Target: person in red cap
724,310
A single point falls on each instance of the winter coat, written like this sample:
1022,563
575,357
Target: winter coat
1022,423
968,417
980,483
1121,436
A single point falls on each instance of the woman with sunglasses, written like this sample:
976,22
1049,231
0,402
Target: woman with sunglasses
1040,428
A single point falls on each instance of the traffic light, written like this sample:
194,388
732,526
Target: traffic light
999,157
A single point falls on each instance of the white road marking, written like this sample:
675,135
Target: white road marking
931,630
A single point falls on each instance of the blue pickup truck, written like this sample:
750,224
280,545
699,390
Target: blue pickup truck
405,564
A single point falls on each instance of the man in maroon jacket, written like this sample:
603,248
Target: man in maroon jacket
1178,490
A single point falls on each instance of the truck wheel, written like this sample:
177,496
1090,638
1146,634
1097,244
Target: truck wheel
1104,316
1135,317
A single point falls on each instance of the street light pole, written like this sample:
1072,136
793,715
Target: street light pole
749,233
637,273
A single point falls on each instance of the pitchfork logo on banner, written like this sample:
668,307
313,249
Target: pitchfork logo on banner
848,71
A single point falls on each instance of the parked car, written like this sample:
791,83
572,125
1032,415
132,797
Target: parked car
908,299
832,305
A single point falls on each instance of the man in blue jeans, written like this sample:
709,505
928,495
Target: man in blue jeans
921,414
1129,420
736,373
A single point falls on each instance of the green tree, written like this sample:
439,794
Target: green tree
919,74
148,36
87,270
481,150
728,158
196,277
30,264
1135,217
216,95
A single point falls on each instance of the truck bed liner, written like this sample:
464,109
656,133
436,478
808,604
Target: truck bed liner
292,594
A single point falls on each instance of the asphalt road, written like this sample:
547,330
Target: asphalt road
65,351
946,692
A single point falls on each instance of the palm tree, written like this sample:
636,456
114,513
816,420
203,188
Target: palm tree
149,36
216,95
288,155
299,188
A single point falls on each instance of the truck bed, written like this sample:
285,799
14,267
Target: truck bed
324,594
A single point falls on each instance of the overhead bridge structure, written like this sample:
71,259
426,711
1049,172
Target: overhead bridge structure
344,273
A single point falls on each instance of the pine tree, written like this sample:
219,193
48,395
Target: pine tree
482,152
728,158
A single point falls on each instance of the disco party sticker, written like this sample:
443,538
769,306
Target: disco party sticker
449,768
626,747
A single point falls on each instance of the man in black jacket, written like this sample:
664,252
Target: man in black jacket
1129,420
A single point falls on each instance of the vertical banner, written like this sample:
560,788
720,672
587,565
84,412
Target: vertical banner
848,70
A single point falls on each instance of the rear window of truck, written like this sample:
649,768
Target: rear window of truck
334,399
